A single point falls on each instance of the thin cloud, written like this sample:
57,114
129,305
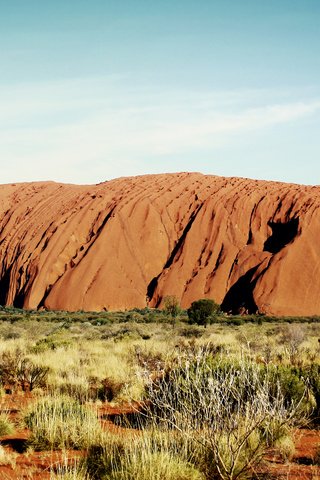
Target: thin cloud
75,130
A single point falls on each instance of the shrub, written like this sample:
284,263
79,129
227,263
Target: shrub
300,386
32,376
104,457
147,359
109,389
9,366
171,306
201,311
293,336
18,371
78,390
233,407
68,473
45,344
191,331
286,448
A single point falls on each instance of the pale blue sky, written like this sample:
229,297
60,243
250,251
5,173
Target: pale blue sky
93,90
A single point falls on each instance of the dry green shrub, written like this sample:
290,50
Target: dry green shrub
292,337
110,389
233,405
16,370
69,474
285,446
148,465
9,366
147,359
7,457
191,331
31,376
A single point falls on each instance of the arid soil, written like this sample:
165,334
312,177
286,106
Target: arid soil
35,465
250,245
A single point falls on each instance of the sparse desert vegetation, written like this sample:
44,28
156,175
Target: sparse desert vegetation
147,394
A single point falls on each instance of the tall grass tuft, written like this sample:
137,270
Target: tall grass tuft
6,426
61,422
69,470
152,455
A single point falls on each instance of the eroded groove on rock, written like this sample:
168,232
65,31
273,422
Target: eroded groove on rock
179,244
175,251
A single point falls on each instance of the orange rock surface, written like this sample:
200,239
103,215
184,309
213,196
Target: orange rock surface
250,245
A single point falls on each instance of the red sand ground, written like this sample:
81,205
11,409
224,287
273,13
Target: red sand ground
37,465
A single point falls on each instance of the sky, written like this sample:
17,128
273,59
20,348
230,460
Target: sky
95,90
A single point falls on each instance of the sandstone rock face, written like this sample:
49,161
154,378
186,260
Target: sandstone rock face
250,245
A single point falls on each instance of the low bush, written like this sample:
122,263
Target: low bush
236,406
31,376
79,391
16,370
285,446
69,470
191,331
109,389
298,385
45,344
10,362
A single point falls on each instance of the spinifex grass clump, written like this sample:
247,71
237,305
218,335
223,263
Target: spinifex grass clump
151,455
69,474
61,422
69,470
6,426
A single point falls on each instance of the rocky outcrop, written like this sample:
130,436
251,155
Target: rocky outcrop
250,245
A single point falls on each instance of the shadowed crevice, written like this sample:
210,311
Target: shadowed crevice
282,234
18,445
5,285
239,298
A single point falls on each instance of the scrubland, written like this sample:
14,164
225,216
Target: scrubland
202,402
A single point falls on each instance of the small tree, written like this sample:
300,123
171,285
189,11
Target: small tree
172,307
201,310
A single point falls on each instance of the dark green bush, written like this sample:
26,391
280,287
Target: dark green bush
201,311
